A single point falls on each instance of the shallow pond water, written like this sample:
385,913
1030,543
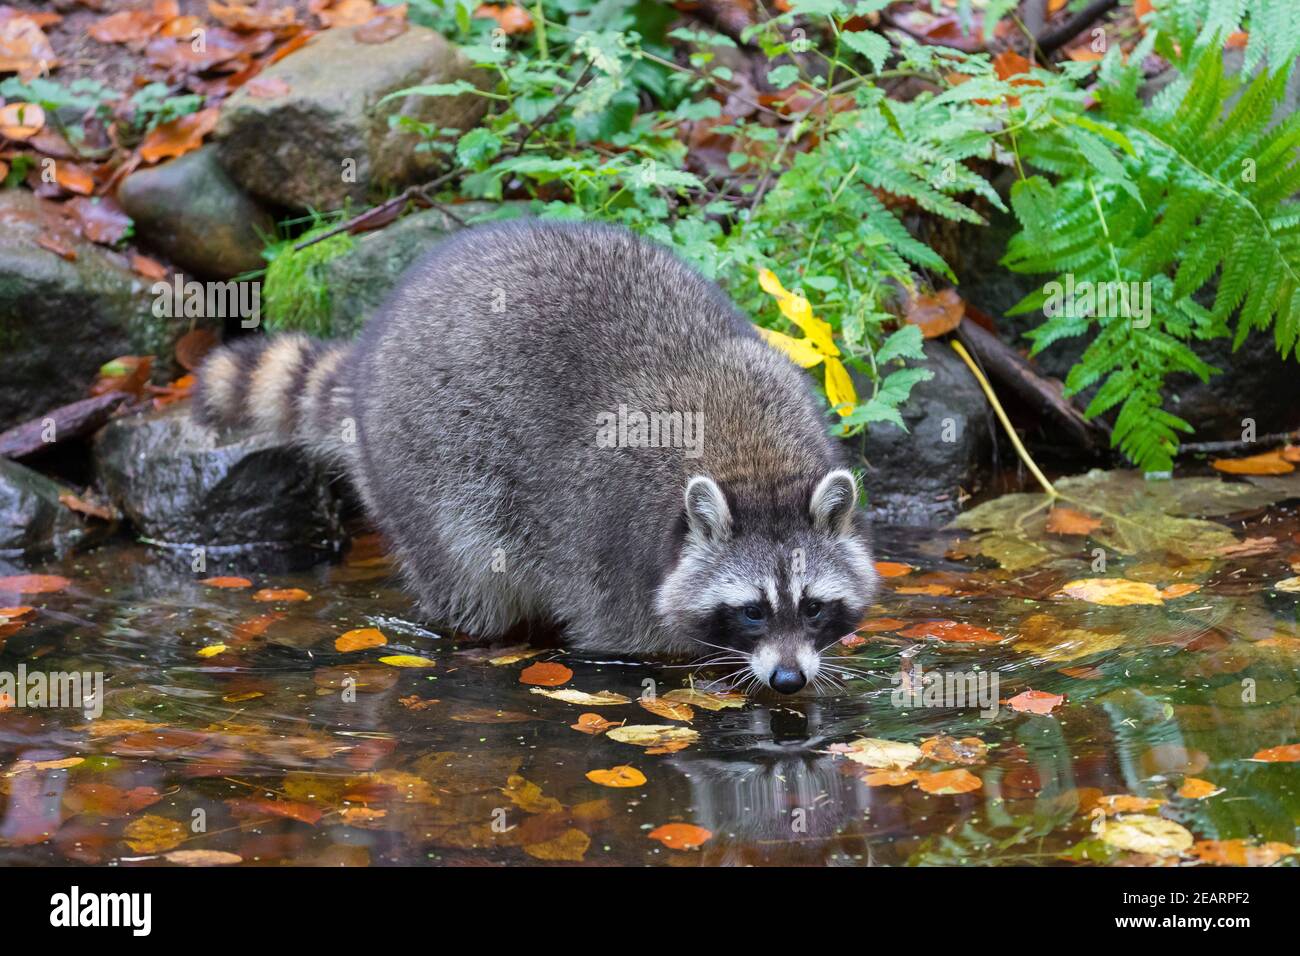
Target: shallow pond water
231,724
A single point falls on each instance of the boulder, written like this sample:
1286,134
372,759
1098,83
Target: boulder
191,211
325,139
184,485
915,476
62,318
33,521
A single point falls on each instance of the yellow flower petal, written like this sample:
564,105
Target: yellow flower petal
799,351
839,387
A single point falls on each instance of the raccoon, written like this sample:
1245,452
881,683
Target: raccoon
564,423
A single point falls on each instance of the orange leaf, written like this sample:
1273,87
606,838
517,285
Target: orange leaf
220,582
511,19
33,584
667,708
1035,702
281,595
623,776
936,314
266,87
680,836
1194,788
967,750
247,808
545,674
1287,753
954,631
1009,63
1268,463
934,590
949,782
360,639
890,778
1069,521
243,18
179,136
881,624
149,268
193,346
21,120
1179,590
593,724
893,569
1240,853
15,613
73,178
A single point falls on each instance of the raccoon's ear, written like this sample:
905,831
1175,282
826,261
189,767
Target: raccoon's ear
707,513
833,500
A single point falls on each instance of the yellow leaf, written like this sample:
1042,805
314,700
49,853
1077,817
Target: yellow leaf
1113,592
569,846
212,650
839,387
406,660
705,700
153,834
654,736
202,858
1154,835
667,709
799,351
880,754
604,698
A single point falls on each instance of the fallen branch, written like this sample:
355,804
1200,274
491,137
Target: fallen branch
1264,441
1053,40
66,421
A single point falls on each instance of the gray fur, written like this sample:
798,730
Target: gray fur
477,396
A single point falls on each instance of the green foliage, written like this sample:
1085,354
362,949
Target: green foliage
1272,26
1178,196
296,291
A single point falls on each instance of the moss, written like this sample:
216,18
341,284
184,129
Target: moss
296,290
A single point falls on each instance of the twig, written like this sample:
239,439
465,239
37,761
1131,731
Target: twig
1002,417
551,113
1053,40
1279,438
400,199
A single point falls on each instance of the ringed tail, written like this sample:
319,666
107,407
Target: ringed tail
291,386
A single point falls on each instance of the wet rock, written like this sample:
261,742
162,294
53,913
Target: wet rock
181,484
61,319
326,139
915,476
190,210
33,521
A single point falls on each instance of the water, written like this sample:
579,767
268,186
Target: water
261,754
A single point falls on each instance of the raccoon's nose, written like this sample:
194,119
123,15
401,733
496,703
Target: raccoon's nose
787,680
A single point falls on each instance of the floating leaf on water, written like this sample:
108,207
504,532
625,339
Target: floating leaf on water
1179,590
1267,463
232,583
705,700
880,754
360,639
593,724
16,613
212,650
1194,788
23,766
33,584
1113,803
281,595
967,750
1044,636
669,710
659,738
1113,592
1290,585
875,625
569,847
514,657
1286,753
680,836
106,800
890,778
154,834
948,782
484,715
1070,521
406,660
118,727
202,858
1144,834
621,776
1249,548
604,698
1241,852
954,631
1035,702
893,569
527,796
931,590
545,674
415,702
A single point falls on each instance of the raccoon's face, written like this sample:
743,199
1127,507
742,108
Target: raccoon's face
770,581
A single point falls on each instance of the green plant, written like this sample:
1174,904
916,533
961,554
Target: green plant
296,292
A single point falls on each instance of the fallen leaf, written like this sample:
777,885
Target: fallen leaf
660,738
24,47
669,710
879,753
967,750
1248,548
248,19
932,590
1035,702
1290,585
1268,463
621,776
1144,834
63,763
380,29
680,836
528,796
360,639
202,858
33,584
705,700
881,624
128,374
1241,852
20,121
347,13
74,178
1286,753
1179,590
545,674
179,136
193,347
593,724
1194,788
511,18
406,660
212,650
16,613
417,703
281,595
890,778
133,26
227,582
953,631
266,87
604,698
514,657
154,834
1113,592
949,782
147,267
1115,803
250,808
936,314
893,569
100,219
105,800
570,847
484,715
1069,521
